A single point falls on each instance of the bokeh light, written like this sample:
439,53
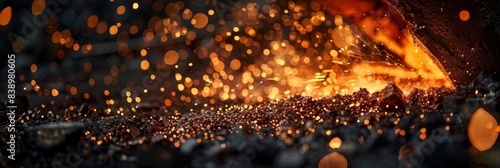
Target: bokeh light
482,130
333,160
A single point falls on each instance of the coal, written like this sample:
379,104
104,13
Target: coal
391,98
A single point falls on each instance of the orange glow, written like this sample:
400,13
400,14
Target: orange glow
422,68
135,5
333,160
5,16
91,82
464,15
73,90
101,27
171,57
106,92
335,143
199,20
481,130
235,64
120,10
133,29
92,21
33,68
144,64
37,7
144,52
54,92
168,102
113,30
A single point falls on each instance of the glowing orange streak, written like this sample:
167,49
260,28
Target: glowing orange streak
388,33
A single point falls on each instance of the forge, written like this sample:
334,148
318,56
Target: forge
239,83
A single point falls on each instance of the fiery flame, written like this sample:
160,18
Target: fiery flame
243,51
422,69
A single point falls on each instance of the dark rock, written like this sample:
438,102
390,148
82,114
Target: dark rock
484,83
414,96
391,98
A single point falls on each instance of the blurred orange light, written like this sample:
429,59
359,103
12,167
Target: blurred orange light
333,160
464,15
335,143
481,130
5,16
37,7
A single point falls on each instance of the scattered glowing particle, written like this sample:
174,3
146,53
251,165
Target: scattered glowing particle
464,15
73,90
168,102
101,27
76,47
335,143
87,67
120,10
106,92
423,136
199,20
37,7
144,64
211,12
338,20
187,14
135,5
91,82
54,92
133,29
334,53
6,16
144,52
235,64
171,57
33,68
92,21
402,132
113,30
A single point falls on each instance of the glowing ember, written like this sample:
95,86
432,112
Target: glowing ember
421,68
